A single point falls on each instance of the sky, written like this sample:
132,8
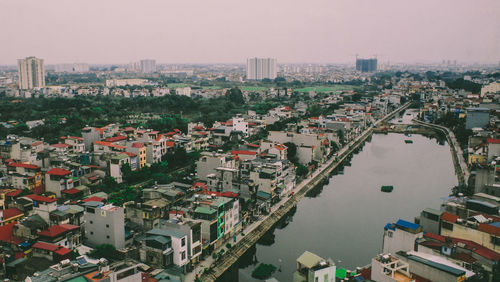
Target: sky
229,31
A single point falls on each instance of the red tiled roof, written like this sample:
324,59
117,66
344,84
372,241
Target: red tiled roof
11,212
469,245
449,217
109,144
60,145
36,143
493,141
45,246
93,199
491,229
7,233
75,137
58,171
63,251
39,198
253,145
176,212
243,153
27,166
280,147
116,138
70,191
137,145
170,144
14,193
56,230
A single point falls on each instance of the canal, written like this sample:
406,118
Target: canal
344,219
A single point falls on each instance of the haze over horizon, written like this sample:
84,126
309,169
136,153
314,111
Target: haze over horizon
223,31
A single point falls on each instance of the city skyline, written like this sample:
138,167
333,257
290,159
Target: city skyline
227,32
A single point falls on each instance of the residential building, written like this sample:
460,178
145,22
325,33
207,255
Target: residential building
52,252
104,224
42,205
125,82
366,65
491,88
64,235
31,73
10,215
313,268
433,268
400,236
386,268
115,166
25,176
209,162
90,135
478,229
261,68
193,230
148,66
164,247
430,220
58,180
147,214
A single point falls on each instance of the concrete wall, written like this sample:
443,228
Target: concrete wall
105,227
464,232
400,240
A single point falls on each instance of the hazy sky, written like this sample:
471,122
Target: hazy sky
229,31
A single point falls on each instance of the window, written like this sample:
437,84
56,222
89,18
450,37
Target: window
389,234
183,242
91,232
447,225
91,222
107,236
325,278
183,255
495,240
107,225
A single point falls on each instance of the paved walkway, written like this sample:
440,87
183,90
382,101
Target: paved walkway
249,228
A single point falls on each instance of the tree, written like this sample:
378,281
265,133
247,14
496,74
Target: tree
236,96
106,251
291,152
301,170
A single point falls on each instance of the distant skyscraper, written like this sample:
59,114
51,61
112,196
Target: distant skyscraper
148,66
260,68
31,73
366,65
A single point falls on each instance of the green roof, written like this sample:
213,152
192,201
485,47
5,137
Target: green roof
77,279
205,210
340,273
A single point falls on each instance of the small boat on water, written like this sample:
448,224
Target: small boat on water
408,141
387,188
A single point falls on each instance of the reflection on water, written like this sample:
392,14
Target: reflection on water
344,219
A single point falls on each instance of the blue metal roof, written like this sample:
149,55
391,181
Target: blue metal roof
407,224
389,226
496,224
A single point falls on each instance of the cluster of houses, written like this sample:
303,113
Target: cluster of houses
52,214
